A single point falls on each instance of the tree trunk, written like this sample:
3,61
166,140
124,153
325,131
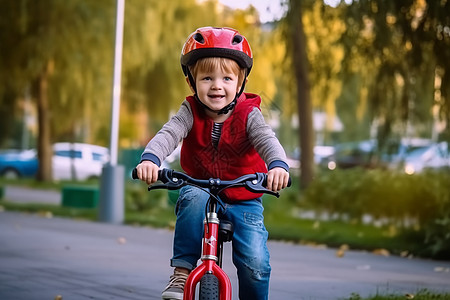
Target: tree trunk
45,151
300,63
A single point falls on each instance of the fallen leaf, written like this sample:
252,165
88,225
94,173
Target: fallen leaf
382,252
58,297
46,214
340,253
404,254
314,245
344,247
171,225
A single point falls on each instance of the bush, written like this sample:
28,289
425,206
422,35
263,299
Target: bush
138,199
419,202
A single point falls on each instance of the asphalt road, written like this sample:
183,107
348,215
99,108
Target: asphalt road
42,258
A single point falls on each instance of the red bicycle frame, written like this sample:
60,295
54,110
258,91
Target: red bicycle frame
209,260
215,232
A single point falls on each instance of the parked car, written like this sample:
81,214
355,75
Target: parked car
70,161
18,163
320,153
77,161
367,154
435,157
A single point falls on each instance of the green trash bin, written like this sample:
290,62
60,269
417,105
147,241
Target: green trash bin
80,196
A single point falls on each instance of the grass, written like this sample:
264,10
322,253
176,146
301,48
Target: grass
420,295
334,234
283,224
55,185
50,210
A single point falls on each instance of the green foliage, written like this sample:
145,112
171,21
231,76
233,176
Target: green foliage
75,39
401,56
50,210
148,208
285,220
138,199
418,203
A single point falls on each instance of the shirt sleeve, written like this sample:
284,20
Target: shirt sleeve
265,142
170,136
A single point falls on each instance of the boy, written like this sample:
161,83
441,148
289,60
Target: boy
224,136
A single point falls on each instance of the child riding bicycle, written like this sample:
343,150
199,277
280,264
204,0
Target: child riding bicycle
224,136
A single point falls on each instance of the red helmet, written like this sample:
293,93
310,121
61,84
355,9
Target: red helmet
216,42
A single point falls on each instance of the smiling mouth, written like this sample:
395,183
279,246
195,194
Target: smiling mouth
217,97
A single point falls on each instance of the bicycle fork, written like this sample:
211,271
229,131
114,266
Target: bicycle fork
209,259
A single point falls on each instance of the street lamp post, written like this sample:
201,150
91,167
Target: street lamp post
111,206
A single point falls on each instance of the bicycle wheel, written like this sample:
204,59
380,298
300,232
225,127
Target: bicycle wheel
209,287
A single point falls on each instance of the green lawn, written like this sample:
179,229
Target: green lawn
420,295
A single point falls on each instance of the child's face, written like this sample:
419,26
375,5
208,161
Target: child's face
216,88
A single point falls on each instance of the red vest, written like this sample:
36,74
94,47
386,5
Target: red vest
234,156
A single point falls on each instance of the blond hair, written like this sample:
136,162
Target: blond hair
227,65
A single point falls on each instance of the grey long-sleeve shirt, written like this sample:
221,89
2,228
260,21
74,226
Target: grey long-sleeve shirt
177,128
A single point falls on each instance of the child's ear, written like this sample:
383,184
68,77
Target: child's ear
189,84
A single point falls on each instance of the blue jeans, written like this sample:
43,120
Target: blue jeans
250,253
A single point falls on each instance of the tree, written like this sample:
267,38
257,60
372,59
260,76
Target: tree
51,50
400,49
304,106
152,48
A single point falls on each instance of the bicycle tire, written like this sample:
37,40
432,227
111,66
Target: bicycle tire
209,287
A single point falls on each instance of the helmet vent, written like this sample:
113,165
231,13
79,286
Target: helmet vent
199,38
237,39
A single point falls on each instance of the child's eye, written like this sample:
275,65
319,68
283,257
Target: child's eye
227,78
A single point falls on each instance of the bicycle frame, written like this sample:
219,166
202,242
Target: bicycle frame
212,243
210,256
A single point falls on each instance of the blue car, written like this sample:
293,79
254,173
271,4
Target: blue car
18,163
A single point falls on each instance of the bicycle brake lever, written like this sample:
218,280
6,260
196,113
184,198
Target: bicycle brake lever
257,185
168,186
169,182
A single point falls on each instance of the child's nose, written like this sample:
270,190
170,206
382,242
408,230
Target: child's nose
216,84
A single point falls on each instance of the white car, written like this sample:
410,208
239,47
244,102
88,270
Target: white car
435,156
77,161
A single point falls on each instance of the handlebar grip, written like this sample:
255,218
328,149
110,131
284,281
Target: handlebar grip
134,174
265,181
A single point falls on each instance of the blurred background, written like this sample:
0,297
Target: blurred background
358,92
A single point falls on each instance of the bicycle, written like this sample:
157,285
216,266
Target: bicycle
214,282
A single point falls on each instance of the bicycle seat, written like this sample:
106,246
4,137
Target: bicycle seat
226,230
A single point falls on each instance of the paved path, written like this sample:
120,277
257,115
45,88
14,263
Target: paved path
41,258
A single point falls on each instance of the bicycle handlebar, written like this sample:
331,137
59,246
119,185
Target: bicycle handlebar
174,180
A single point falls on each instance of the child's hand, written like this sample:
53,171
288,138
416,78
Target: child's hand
277,179
147,171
